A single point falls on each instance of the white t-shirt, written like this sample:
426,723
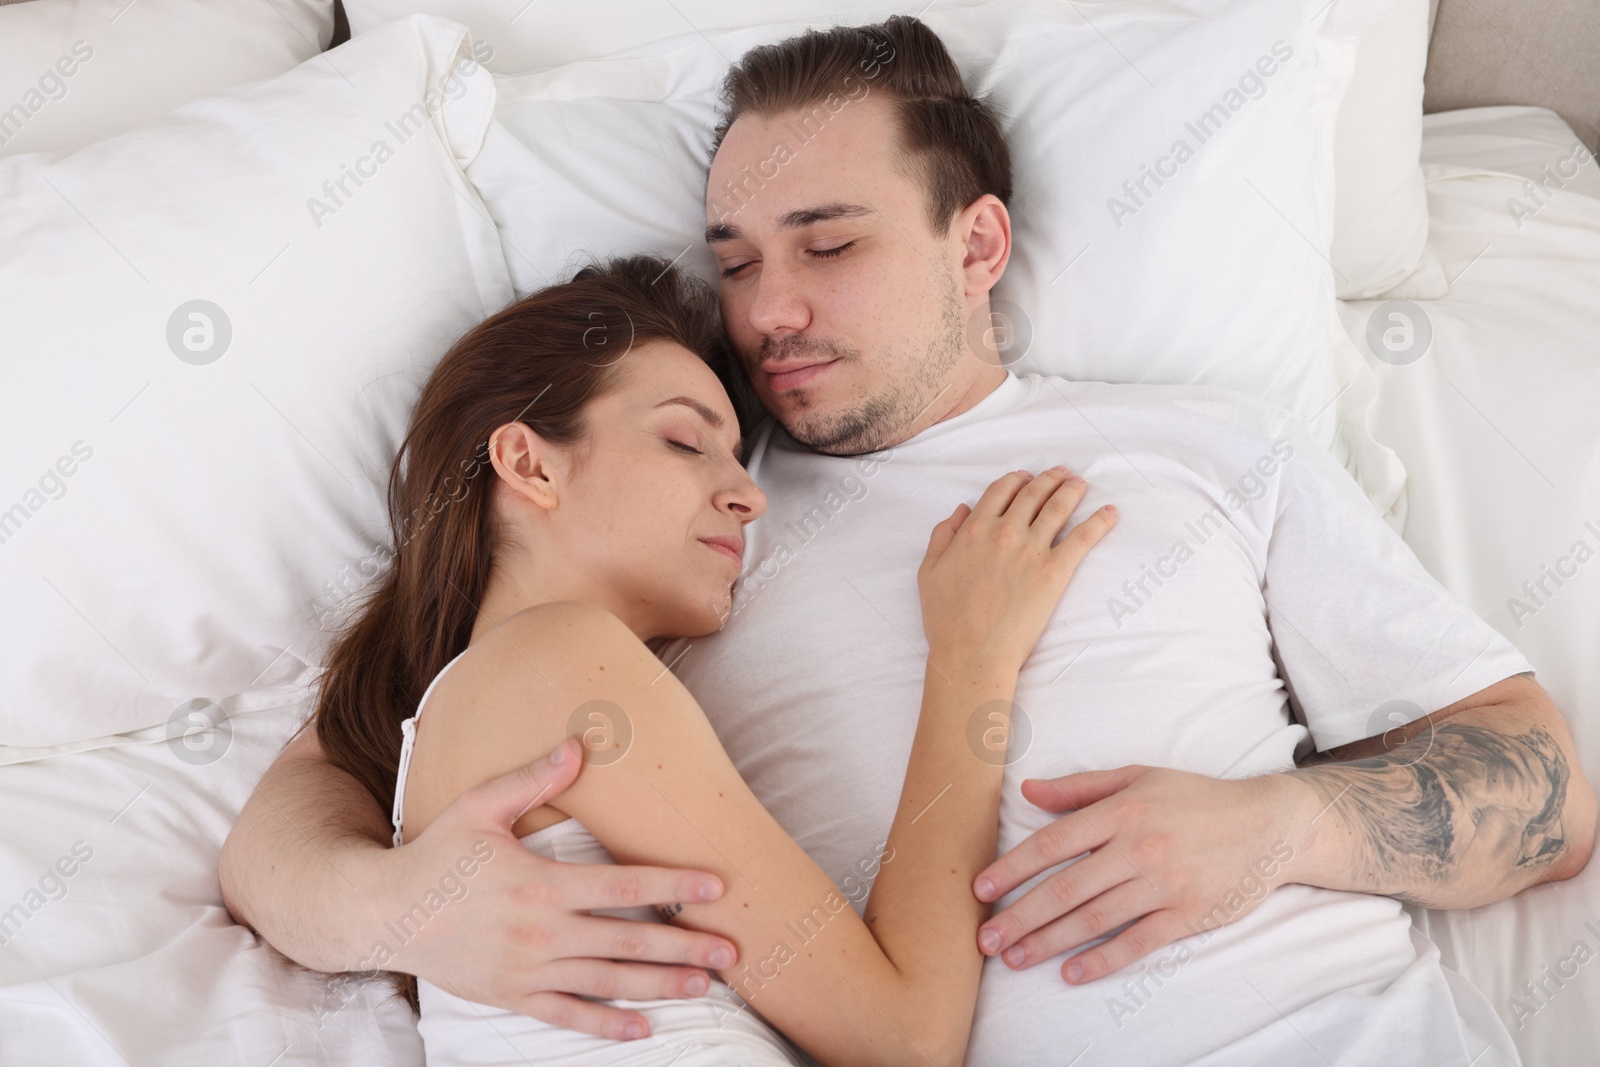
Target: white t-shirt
1240,546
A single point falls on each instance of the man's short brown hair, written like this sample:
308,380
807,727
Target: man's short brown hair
948,139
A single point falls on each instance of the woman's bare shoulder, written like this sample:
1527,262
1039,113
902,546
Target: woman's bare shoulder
515,694
562,642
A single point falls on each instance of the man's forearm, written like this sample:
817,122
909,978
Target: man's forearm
301,846
1469,811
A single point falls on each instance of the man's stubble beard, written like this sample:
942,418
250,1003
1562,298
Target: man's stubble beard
879,422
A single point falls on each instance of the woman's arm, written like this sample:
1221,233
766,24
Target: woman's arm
897,989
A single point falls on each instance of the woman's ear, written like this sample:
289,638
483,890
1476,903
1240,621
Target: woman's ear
529,467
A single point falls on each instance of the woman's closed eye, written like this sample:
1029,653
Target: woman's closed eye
684,447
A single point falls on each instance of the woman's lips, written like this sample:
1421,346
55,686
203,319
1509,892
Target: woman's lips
725,551
786,380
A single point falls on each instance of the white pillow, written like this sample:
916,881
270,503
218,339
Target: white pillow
182,497
530,38
1219,276
1381,219
1533,143
75,71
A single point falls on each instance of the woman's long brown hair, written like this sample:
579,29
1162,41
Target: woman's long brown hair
540,362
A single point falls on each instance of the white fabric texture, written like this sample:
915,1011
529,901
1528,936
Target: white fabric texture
713,1030
76,71
143,564
133,958
1530,142
408,739
1380,229
1240,546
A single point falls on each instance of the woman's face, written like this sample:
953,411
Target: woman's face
644,496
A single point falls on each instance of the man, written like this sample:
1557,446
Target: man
1248,607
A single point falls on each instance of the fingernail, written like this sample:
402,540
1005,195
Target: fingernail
989,941
559,756
1062,467
722,957
633,1031
697,985
1016,955
984,889
1111,509
710,890
1074,972
1075,479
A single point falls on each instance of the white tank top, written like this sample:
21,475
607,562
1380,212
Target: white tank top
714,1030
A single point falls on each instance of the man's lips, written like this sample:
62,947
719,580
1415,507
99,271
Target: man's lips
727,546
785,376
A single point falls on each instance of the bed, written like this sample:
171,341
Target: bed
146,704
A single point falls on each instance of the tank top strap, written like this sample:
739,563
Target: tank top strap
408,740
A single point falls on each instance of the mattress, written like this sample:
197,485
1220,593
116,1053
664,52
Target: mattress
132,958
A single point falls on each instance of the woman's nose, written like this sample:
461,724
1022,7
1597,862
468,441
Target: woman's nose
749,502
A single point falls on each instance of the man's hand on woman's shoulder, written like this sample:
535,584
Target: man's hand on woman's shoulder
495,924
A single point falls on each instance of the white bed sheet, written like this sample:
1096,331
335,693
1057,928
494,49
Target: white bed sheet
1498,426
139,962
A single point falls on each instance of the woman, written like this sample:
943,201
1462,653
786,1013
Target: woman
568,490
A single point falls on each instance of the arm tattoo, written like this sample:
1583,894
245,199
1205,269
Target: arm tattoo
1453,797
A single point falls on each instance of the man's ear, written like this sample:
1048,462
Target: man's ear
984,228
529,467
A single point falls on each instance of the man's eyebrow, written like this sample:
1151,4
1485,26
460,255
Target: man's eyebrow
791,220
704,412
805,216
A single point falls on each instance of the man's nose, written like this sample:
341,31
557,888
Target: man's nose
778,305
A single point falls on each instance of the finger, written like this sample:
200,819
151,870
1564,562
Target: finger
1084,536
960,517
1052,898
607,938
1154,931
1025,506
1059,506
610,980
1001,491
583,886
571,1013
505,798
1069,836
1121,904
943,533
1073,791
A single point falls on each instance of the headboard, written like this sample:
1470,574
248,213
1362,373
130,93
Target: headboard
1517,52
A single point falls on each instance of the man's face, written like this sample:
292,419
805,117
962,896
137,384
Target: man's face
849,313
